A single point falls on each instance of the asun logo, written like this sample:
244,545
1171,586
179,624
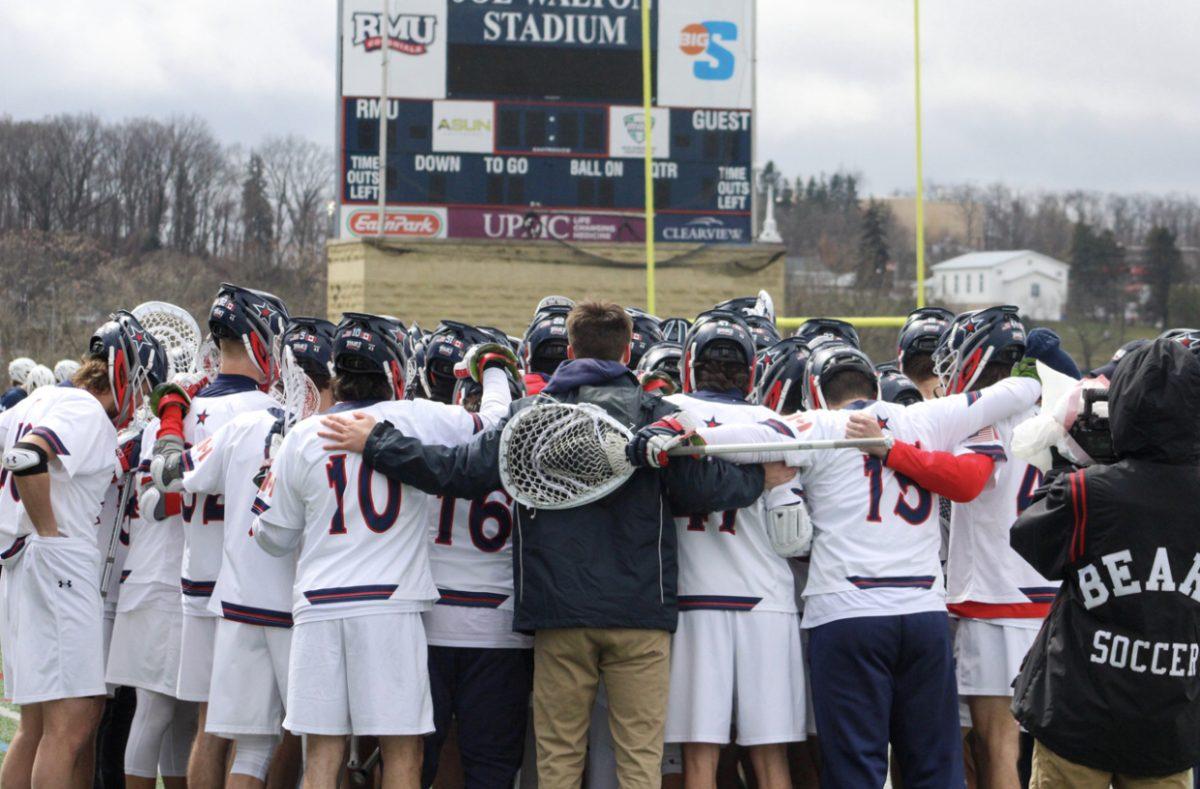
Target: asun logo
705,228
705,38
635,126
410,34
414,224
464,125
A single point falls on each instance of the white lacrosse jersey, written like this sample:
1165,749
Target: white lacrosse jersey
253,586
204,513
471,557
73,422
150,577
985,577
875,532
726,562
365,544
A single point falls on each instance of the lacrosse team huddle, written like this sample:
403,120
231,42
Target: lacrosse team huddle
321,552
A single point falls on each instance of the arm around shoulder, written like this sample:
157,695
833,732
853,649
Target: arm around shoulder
463,472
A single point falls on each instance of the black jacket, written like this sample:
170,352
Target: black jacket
1113,680
611,563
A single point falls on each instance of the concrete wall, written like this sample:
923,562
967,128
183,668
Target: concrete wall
498,284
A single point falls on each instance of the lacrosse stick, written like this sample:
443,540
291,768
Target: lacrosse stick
295,392
175,329
559,456
110,558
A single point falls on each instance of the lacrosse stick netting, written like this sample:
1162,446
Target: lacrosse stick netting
558,456
295,391
175,329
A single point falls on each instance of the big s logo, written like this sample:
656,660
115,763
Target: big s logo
705,38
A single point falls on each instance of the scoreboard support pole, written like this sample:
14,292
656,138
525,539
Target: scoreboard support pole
648,158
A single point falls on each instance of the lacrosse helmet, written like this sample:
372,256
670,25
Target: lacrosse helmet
663,358
921,332
761,305
675,329
65,370
646,333
764,331
311,341
815,330
445,348
974,340
18,369
369,344
39,376
829,358
895,387
1188,338
781,385
136,361
544,346
255,318
718,335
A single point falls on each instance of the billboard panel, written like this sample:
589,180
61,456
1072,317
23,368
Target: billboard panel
522,119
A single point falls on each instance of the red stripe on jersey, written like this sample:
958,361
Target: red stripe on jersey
971,610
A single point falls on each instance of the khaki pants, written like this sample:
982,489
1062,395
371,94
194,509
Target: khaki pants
1051,771
567,666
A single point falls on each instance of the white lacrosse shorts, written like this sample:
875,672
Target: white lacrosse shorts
365,675
59,653
196,644
988,654
737,666
249,679
145,650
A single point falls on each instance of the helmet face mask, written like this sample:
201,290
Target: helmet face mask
663,358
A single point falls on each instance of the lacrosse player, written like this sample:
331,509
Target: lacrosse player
253,591
59,461
595,583
18,373
735,654
244,323
880,650
359,659
480,671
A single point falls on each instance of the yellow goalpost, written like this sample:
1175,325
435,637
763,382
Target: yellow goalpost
869,322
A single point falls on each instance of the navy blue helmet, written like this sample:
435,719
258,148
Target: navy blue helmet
973,341
136,361
663,358
675,329
921,332
781,383
544,346
895,387
311,342
815,330
646,332
253,317
718,335
446,347
366,343
828,359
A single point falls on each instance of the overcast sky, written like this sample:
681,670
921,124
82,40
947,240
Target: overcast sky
1096,94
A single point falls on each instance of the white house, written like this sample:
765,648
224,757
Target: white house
1032,281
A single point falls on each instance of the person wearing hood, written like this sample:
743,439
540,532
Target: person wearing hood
1110,689
595,584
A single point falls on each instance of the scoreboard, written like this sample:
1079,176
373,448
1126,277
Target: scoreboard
511,119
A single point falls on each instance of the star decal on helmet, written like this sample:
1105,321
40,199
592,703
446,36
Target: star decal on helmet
265,310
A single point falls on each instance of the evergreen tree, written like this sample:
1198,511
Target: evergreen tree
1162,270
257,224
873,252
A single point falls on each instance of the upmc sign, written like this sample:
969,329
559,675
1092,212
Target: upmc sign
505,110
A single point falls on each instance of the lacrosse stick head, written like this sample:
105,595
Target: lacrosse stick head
556,456
175,329
295,392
